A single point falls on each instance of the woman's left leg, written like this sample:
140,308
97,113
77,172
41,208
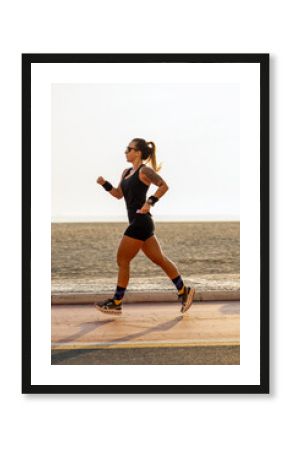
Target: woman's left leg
153,251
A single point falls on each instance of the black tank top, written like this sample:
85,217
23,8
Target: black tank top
134,192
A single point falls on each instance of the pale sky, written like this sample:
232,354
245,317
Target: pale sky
196,128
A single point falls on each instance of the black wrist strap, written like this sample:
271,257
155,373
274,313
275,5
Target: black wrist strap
107,186
152,200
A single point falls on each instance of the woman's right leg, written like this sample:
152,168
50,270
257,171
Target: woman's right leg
128,248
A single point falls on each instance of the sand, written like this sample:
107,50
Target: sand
85,253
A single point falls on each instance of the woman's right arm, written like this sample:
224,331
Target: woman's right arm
115,192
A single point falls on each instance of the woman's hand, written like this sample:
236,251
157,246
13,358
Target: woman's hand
145,208
101,180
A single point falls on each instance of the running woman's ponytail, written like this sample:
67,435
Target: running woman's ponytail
148,150
152,156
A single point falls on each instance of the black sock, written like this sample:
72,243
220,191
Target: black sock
179,284
119,294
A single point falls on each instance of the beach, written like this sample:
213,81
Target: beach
83,256
151,329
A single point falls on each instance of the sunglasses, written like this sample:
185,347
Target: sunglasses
128,149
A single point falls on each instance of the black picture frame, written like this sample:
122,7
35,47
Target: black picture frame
263,60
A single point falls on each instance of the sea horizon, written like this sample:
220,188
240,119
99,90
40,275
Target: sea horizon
157,218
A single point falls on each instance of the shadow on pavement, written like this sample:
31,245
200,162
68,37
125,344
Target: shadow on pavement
86,328
160,327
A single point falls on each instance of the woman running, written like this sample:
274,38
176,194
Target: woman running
133,186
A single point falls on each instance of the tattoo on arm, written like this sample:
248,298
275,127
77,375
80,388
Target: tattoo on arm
153,176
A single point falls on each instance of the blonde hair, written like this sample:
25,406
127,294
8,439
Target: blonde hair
148,151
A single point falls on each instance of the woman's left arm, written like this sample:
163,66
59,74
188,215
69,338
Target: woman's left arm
152,177
156,179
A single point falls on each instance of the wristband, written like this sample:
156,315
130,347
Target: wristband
152,200
107,186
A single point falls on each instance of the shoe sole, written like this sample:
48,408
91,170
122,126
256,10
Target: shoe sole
189,300
108,311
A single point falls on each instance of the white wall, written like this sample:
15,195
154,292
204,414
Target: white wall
181,421
195,128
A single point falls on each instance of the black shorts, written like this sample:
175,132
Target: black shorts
141,227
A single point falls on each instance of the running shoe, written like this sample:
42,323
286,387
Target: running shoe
186,299
109,307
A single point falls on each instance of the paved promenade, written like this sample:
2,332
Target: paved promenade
147,333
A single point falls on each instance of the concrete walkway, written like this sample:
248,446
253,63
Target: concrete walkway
147,334
209,287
